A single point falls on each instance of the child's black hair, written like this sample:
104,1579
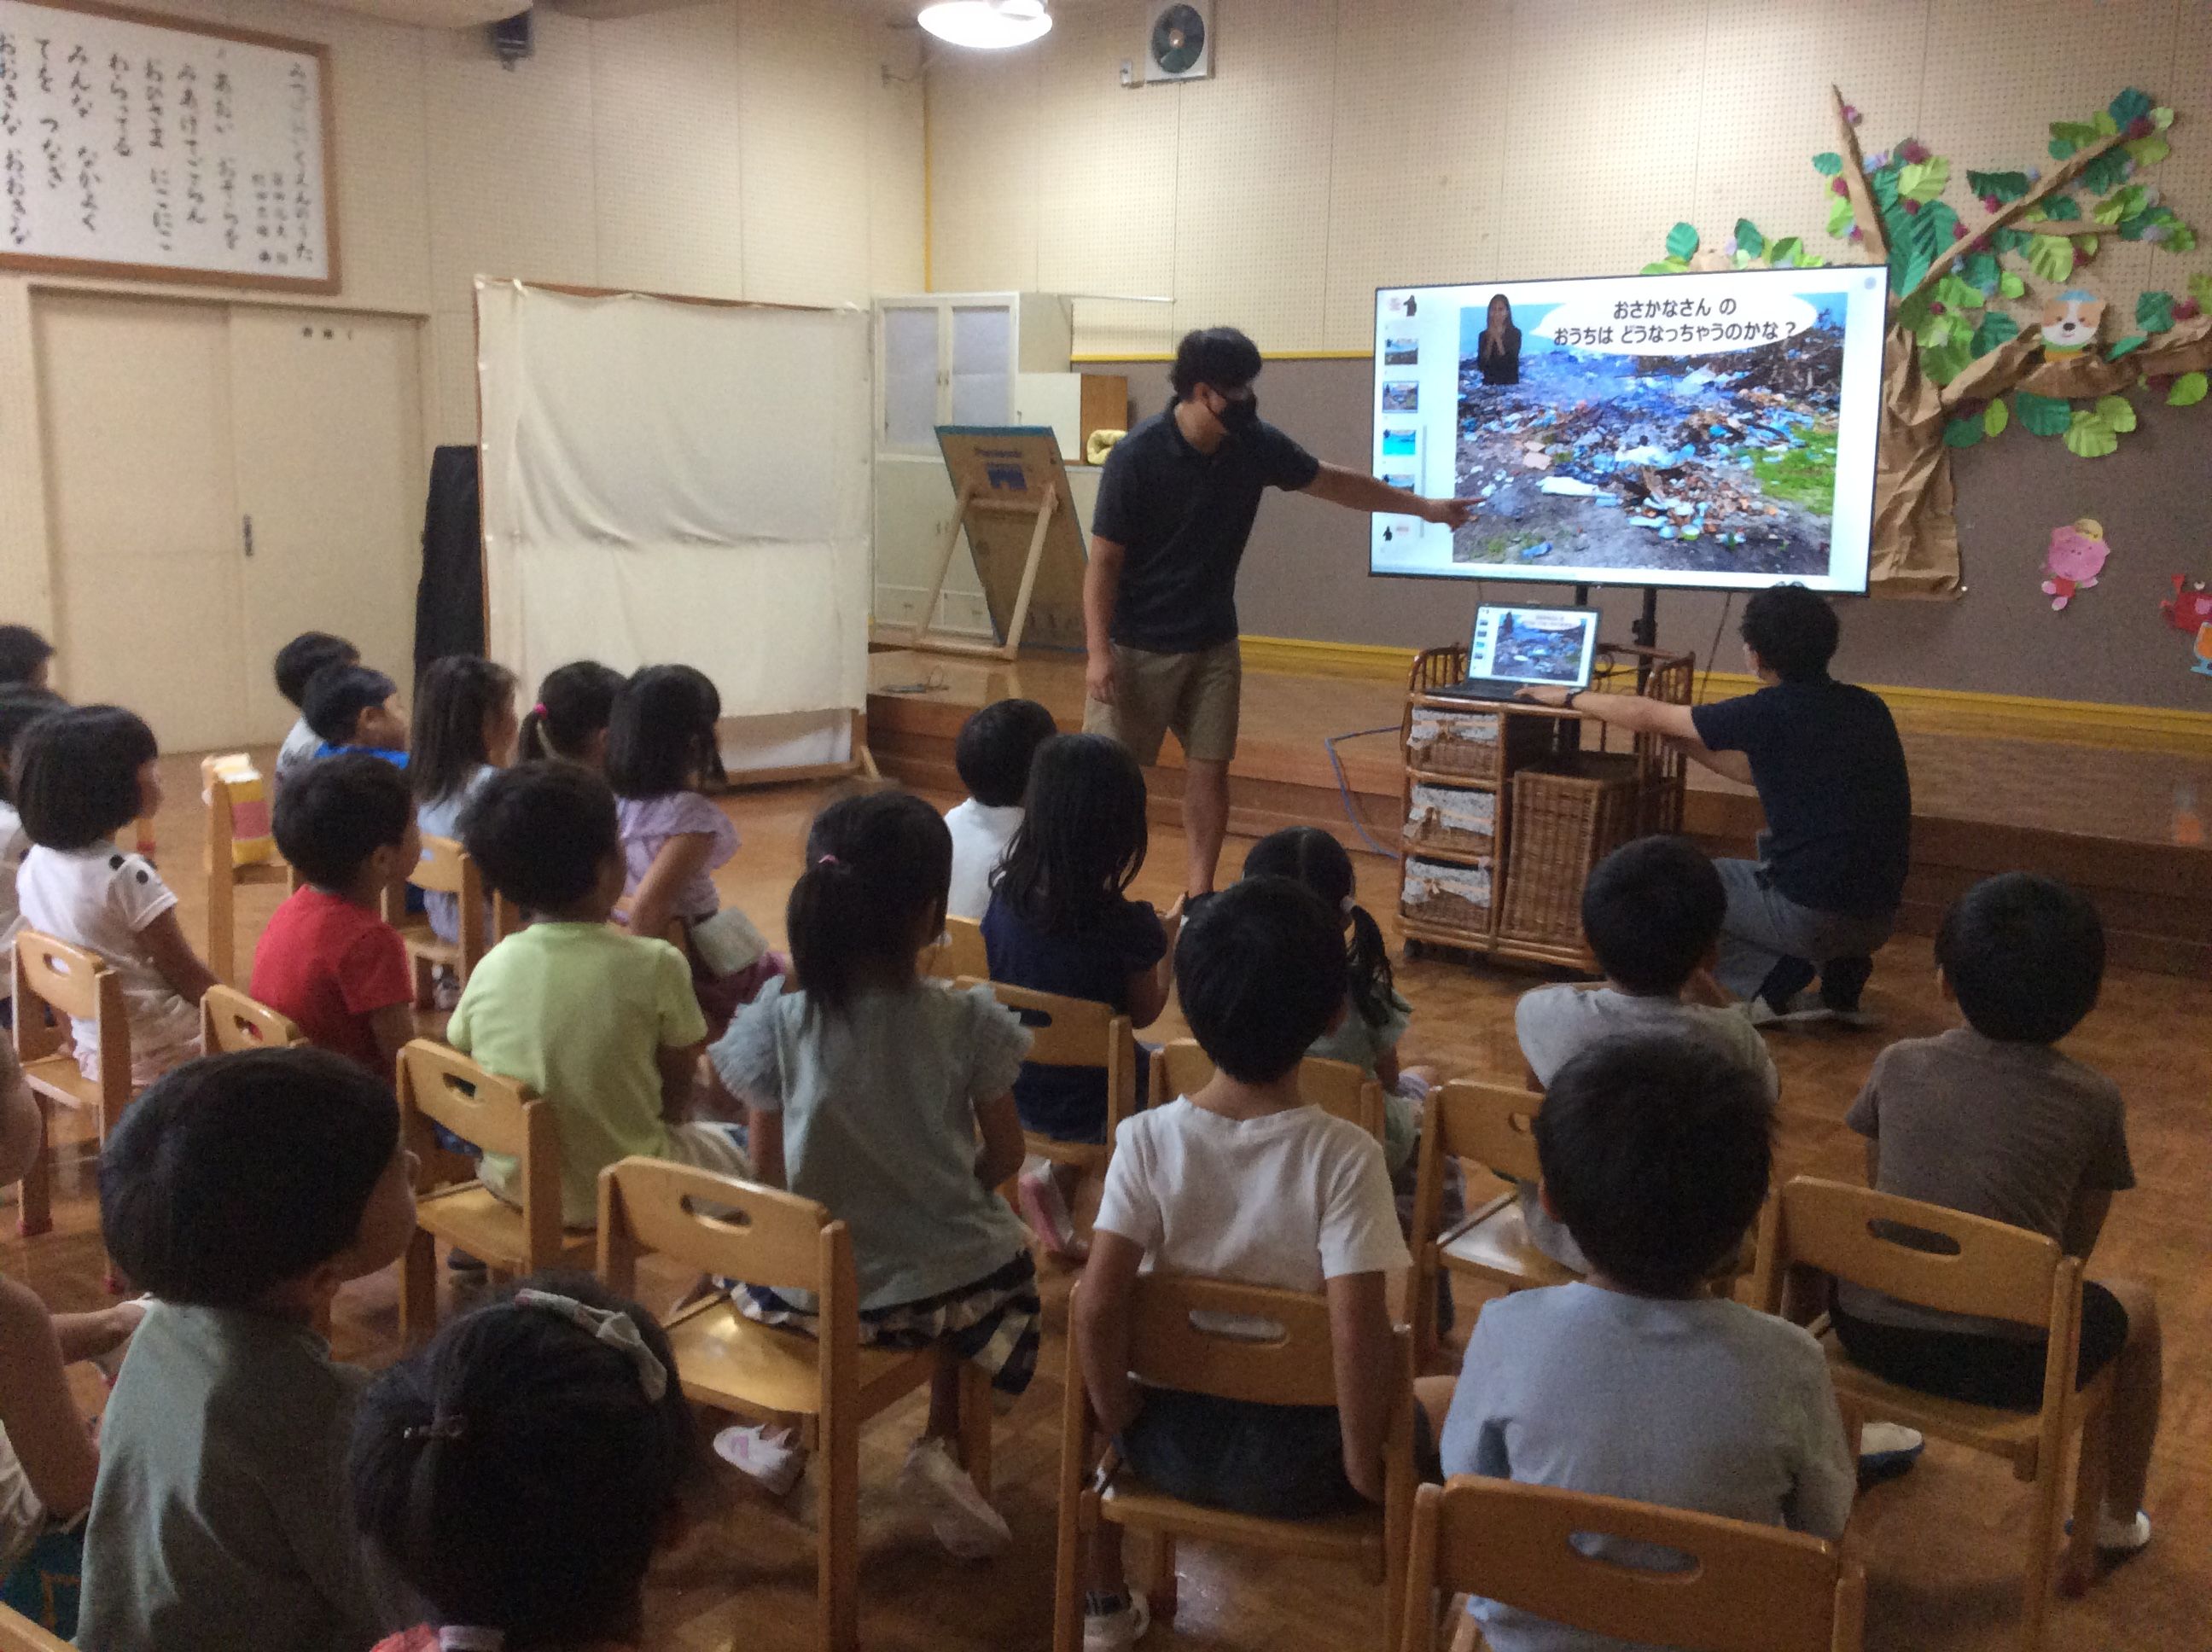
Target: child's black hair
574,702
76,773
1792,630
540,831
2026,956
1651,911
338,695
332,815
20,706
1312,857
517,1474
298,661
879,866
234,1174
22,651
1657,1150
660,735
1083,834
455,697
996,747
1259,973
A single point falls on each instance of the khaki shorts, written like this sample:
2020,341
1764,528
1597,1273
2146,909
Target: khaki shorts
1195,695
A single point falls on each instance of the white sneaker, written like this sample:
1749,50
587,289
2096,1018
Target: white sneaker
966,1524
1888,1447
1804,1010
2115,1535
1048,1213
1119,1631
771,1458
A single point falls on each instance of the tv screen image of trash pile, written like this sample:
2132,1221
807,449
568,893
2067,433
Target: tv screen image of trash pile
1711,430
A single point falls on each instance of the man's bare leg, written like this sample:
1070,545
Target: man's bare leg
1205,820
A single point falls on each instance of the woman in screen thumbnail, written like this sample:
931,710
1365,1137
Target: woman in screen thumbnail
1498,354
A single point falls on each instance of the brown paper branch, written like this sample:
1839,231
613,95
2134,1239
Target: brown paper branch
2008,215
1867,215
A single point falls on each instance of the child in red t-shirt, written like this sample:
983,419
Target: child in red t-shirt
327,959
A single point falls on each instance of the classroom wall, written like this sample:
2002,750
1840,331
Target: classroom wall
749,148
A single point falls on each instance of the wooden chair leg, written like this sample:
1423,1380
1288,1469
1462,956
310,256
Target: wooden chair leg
837,1562
418,1289
2078,1565
34,1209
1160,1574
975,1423
1071,1571
2043,1547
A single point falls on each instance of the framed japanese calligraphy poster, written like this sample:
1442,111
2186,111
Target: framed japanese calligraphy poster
152,147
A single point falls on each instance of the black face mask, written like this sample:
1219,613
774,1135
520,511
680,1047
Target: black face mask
1240,414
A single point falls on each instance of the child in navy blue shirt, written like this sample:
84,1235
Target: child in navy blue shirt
350,708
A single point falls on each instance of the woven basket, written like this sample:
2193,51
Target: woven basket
1567,816
1453,743
1432,893
1450,818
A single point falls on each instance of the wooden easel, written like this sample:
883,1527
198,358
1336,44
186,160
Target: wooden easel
1007,480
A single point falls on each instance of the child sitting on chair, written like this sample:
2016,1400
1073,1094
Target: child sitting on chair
327,959
19,707
1657,1150
297,662
350,708
519,1471
26,658
891,1102
242,1191
600,1023
992,755
81,776
1243,1181
464,732
575,702
1990,1119
1651,914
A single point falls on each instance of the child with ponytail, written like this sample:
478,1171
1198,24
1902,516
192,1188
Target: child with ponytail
869,1090
463,734
575,702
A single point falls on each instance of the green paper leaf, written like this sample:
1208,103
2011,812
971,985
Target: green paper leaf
1997,328
2155,312
1963,432
2009,240
1936,332
1959,293
2052,257
1828,163
1748,241
2148,151
2064,208
2000,186
2124,202
2061,149
2107,171
1839,215
2104,124
2088,436
2188,390
1996,419
2042,415
2200,289
1682,240
1981,272
2180,239
2009,285
2117,411
1666,267
1924,180
1784,252
2085,246
2130,105
2161,117
2078,133
1806,259
1947,362
2127,346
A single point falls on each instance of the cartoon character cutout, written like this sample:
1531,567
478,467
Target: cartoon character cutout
2076,556
2069,323
2189,607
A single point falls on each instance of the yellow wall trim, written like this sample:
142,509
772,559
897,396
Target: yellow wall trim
1935,711
1091,358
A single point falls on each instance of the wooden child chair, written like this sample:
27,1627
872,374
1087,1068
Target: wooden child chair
19,1634
1748,1589
1076,1032
1169,1349
1338,1088
439,1086
959,955
446,869
231,1021
828,1386
53,976
225,783
1984,1267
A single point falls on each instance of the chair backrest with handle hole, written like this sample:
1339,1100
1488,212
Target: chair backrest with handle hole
231,1021
708,1224
1076,1032
1238,1341
439,1085
960,953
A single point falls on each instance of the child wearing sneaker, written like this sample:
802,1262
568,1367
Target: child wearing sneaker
892,1102
1990,1119
1244,1181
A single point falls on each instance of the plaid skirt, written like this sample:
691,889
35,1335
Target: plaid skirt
997,1322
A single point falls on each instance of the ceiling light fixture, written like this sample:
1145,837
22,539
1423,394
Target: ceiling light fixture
987,25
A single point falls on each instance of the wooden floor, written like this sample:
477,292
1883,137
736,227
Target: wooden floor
1942,1545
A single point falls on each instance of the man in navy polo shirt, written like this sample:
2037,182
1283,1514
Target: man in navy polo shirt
1823,894
1176,506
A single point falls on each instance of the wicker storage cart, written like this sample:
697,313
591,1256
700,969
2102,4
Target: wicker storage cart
1508,806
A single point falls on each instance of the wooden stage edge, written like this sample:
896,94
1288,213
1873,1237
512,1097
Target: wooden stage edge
2155,896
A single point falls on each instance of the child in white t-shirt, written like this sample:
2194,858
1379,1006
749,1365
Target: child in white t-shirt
993,755
81,776
297,662
1242,1182
20,706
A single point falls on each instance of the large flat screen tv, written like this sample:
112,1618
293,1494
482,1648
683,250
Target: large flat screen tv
1708,430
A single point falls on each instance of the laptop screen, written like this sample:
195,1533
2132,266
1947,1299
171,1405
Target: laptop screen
1557,646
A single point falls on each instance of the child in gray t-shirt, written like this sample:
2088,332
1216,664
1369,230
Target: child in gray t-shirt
1655,1154
1651,914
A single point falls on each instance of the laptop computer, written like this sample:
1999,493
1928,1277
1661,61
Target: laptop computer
1514,648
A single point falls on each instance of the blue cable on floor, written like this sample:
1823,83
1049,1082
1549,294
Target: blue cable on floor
1344,785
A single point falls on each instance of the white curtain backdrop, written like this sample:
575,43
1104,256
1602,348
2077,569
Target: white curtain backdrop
669,482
